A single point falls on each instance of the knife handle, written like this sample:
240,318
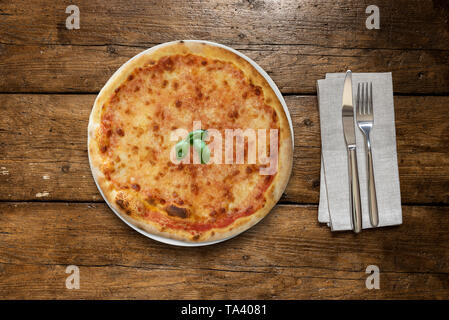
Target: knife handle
354,190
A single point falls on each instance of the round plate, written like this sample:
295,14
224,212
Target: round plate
272,85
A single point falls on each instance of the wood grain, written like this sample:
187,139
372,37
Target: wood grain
287,255
296,43
404,24
294,68
43,147
48,78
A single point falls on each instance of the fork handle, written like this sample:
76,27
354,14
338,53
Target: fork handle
372,198
354,190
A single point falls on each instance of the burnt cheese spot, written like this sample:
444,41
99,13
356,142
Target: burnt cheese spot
175,211
233,114
228,194
178,103
120,132
136,187
124,205
121,203
115,98
194,188
151,201
274,116
168,63
199,94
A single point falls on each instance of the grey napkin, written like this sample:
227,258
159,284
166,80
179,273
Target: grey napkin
334,207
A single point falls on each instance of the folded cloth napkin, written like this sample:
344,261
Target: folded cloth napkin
334,206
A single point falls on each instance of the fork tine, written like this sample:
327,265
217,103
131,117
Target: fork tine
366,98
362,100
371,97
358,99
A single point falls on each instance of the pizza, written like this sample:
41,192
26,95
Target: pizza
142,170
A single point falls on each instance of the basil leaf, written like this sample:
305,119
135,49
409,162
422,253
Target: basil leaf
205,155
182,148
202,149
197,134
198,144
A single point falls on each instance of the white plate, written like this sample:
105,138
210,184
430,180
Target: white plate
272,85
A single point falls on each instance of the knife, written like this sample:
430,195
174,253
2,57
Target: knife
349,132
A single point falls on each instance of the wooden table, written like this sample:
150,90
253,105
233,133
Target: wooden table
52,216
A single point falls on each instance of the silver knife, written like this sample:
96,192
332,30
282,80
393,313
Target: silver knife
349,132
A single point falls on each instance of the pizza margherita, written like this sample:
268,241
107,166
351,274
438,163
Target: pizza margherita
175,87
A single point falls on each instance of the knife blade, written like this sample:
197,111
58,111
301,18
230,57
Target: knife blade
348,111
349,134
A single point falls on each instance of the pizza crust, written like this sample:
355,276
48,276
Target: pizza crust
272,194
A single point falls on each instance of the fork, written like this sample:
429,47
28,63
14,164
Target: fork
365,121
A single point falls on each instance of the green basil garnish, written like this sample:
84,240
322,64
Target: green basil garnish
182,147
205,155
202,149
197,134
196,139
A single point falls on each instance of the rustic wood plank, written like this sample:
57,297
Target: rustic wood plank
404,24
288,255
43,148
294,68
121,282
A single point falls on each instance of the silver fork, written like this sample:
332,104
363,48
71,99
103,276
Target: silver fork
365,121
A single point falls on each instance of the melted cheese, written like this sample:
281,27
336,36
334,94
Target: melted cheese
169,94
